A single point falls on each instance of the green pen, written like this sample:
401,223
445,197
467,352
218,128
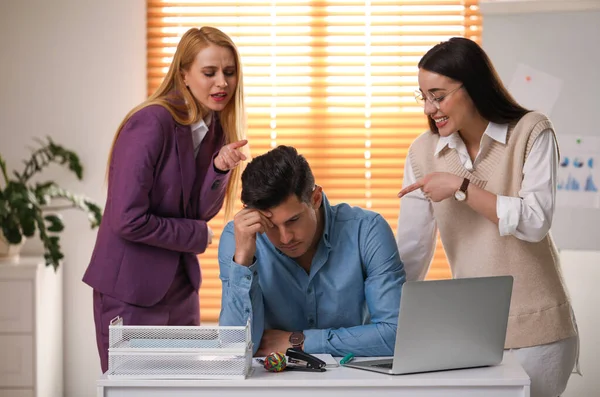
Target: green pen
347,358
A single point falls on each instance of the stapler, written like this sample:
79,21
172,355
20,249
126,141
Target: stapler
304,361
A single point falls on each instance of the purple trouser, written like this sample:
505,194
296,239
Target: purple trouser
180,306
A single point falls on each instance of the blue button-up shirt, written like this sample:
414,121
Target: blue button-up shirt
349,301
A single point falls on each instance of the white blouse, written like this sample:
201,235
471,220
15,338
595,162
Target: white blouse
199,131
527,217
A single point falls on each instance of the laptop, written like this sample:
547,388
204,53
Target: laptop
448,324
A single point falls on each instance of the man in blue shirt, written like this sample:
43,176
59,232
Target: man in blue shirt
309,275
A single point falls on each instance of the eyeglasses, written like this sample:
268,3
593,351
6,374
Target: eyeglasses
421,98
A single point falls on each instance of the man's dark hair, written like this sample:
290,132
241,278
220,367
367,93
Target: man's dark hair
271,178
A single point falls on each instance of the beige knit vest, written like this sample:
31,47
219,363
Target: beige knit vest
540,310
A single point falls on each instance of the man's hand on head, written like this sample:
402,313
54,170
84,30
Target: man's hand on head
273,340
247,223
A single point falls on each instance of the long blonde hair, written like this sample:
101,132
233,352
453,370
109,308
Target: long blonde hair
174,96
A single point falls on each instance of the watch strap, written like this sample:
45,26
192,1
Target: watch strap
465,185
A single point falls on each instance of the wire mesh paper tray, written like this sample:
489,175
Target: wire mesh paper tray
178,352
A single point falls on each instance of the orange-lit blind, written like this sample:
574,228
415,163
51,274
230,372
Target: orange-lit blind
334,78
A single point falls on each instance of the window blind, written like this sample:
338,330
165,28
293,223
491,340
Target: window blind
334,78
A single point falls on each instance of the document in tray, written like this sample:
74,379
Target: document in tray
173,343
328,358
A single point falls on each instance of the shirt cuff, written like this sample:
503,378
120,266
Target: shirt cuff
315,341
218,171
208,237
243,277
508,210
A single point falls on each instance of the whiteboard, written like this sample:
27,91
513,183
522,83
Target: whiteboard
566,45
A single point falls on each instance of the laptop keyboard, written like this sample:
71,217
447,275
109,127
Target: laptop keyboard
384,365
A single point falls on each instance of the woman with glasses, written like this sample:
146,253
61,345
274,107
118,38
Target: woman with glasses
484,175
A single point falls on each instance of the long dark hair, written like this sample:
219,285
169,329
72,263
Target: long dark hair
464,60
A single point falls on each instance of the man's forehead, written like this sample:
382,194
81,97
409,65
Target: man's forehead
287,210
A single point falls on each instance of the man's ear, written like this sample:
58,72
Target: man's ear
317,197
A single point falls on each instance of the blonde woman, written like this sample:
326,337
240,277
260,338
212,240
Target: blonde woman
175,160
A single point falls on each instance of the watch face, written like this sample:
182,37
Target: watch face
297,338
460,195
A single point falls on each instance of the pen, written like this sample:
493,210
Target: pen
347,358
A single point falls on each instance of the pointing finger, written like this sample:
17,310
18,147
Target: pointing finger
238,144
410,188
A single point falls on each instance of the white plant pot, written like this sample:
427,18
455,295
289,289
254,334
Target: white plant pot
10,251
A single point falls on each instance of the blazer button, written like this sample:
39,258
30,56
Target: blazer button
215,185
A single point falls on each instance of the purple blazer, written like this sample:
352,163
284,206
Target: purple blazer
159,200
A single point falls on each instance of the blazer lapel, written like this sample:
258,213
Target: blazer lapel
187,166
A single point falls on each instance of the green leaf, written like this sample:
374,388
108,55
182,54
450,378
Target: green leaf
12,234
55,223
27,225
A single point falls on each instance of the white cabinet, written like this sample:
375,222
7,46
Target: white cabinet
31,345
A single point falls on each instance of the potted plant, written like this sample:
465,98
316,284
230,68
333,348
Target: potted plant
27,207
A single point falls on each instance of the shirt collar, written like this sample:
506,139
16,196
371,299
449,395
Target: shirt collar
495,131
451,141
327,216
202,123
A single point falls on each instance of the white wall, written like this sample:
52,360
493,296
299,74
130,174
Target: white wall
71,69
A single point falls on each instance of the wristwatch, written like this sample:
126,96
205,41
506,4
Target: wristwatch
297,339
461,193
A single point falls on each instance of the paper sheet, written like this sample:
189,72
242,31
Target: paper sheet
534,89
328,358
578,180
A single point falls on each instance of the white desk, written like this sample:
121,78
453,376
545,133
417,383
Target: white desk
505,380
